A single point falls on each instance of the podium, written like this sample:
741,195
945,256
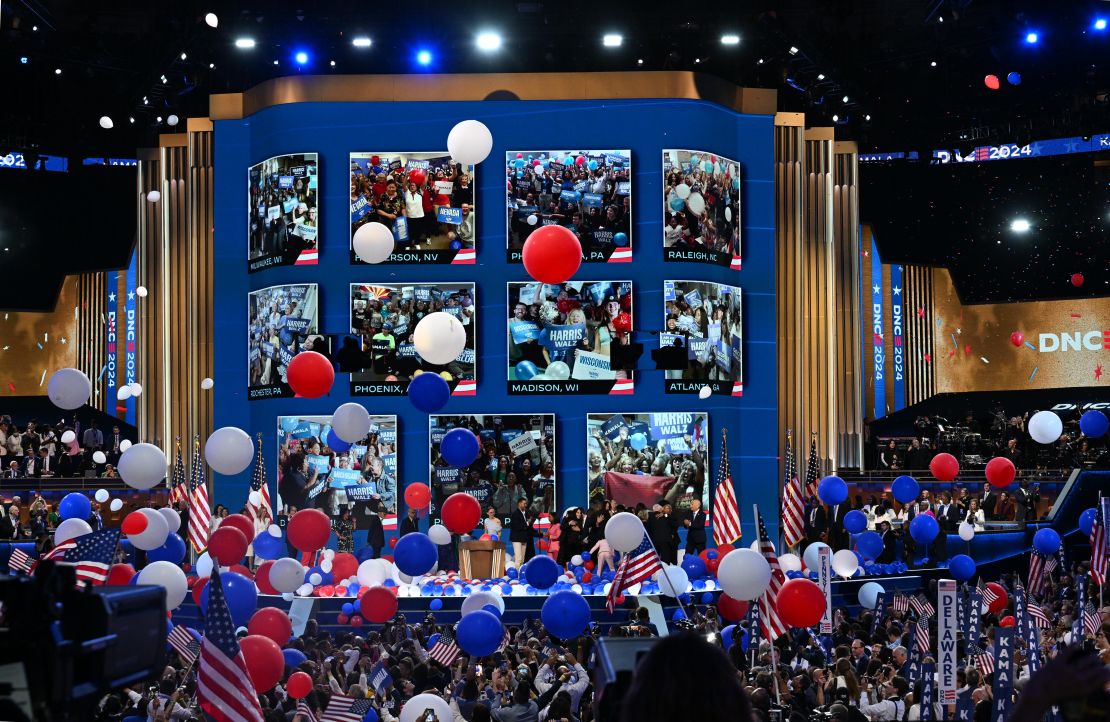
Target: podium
482,559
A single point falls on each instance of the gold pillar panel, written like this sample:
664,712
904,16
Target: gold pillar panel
848,412
91,313
789,266
917,282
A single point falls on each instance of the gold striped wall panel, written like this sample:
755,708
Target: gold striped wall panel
92,350
920,330
789,265
848,410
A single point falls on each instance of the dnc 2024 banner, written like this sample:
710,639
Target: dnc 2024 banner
283,216
701,208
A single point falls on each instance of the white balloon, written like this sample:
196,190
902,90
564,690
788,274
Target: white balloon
372,572
207,383
69,389
811,556
754,546
705,392
351,422
439,338
136,389
71,529
154,536
414,709
68,437
325,566
790,563
106,122
576,560
373,242
274,530
479,599
315,578
696,203
439,534
142,466
124,445
169,576
99,457
469,142
211,20
154,196
101,495
624,531
123,393
329,554
255,498
116,504
204,566
305,589
518,591
967,531
673,580
744,574
141,292
229,450
173,519
286,575
287,596
868,595
728,213
1045,427
172,120
558,371
532,219
845,563
682,191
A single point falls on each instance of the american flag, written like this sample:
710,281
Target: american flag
186,644
305,711
922,606
445,651
1039,619
179,486
91,554
922,636
1098,541
813,468
258,483
224,689
20,561
1091,620
726,512
200,514
901,603
636,566
342,708
985,592
770,625
793,517
1037,574
981,658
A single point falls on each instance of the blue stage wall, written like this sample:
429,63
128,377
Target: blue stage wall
334,130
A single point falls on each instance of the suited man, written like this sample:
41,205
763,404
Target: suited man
93,438
948,519
96,522
183,512
371,520
837,537
13,471
410,524
1025,504
815,521
11,525
988,502
890,544
860,657
695,528
520,531
42,465
114,440
662,528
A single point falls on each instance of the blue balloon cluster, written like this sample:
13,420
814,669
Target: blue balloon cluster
479,633
172,551
1094,424
241,595
1046,541
335,443
415,554
870,544
924,528
1087,521
855,522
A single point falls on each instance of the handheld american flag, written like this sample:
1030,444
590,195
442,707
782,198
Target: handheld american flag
342,708
988,595
981,658
1091,620
793,515
813,467
1037,616
901,602
771,626
1037,574
1098,540
91,554
184,643
305,711
224,688
260,485
200,514
726,512
636,566
922,606
445,650
20,561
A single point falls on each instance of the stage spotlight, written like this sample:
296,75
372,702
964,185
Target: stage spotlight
275,62
639,61
244,43
211,66
488,41
612,40
184,56
424,57
211,20
933,64
1100,24
793,50
301,57
867,118
836,117
57,71
22,59
1020,225
820,76
361,42
730,39
1031,38
332,63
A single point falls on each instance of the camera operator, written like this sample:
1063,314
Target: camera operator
886,705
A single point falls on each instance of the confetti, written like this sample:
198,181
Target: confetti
952,353
1098,372
928,358
1034,372
43,377
75,312
39,345
920,312
1031,346
967,350
11,386
938,322
959,331
954,342
102,370
7,347
45,337
1076,315
984,359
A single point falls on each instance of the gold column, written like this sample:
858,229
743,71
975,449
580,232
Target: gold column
920,330
175,264
848,413
789,267
91,345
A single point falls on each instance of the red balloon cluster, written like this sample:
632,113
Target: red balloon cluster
227,545
731,609
262,578
120,574
1006,622
944,467
272,623
344,565
551,254
1000,472
310,375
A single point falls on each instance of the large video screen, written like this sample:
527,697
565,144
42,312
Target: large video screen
283,218
701,208
282,322
706,320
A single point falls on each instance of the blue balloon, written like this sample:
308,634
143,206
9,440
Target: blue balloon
459,447
348,608
75,506
707,166
389,583
924,528
335,443
456,245
569,160
707,598
962,567
415,554
726,635
432,640
288,423
293,657
565,614
241,595
832,490
870,544
325,577
1094,424
1087,521
492,609
592,165
694,566
429,392
1046,541
479,633
542,572
638,441
676,203
526,370
268,546
905,489
370,716
1013,78
736,184
436,604
585,556
620,239
855,522
678,615
519,163
364,553
172,551
511,573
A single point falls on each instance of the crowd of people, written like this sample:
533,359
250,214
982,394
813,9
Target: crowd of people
706,319
282,322
701,199
35,449
282,206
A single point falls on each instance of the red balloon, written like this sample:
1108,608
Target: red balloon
462,512
1006,621
543,545
418,495
1000,472
800,603
240,522
120,574
417,176
944,467
724,551
619,600
299,685
378,605
580,160
356,621
310,375
991,81
387,557
623,322
712,564
731,609
272,623
326,590
309,529
265,665
589,564
262,578
375,160
227,545
551,254
344,566
240,569
342,618
1001,600
587,576
393,542
198,589
134,523
1077,279
1017,338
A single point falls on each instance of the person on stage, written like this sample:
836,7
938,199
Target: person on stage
815,521
410,524
695,527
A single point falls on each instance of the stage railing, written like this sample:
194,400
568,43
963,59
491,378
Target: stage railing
9,486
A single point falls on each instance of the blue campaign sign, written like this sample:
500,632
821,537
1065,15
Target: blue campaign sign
697,348
267,349
437,434
671,428
466,357
445,214
563,337
379,678
297,325
305,430
525,211
570,196
406,350
362,492
285,181
693,298
598,291
413,164
611,429
592,200
668,291
321,463
523,331
360,208
345,477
